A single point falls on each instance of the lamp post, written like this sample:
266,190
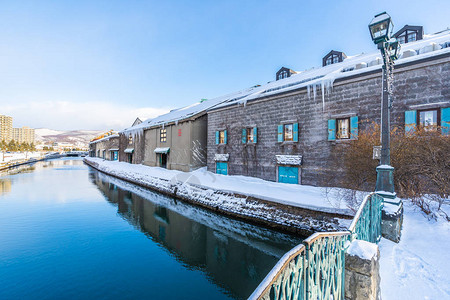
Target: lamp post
381,29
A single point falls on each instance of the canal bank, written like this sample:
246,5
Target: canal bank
15,160
299,210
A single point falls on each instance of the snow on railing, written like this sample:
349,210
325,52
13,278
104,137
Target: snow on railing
315,269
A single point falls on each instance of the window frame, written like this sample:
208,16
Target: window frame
249,133
438,117
412,32
163,135
221,137
285,132
282,75
130,140
404,37
337,132
332,59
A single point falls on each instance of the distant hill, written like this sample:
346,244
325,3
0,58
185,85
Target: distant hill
78,138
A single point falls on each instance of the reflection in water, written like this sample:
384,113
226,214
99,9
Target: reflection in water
5,175
236,256
5,186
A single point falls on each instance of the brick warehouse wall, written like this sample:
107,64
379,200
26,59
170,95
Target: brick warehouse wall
423,82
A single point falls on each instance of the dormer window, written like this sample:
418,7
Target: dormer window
284,73
333,57
332,60
409,34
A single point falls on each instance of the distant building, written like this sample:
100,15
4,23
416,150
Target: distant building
23,135
105,146
6,128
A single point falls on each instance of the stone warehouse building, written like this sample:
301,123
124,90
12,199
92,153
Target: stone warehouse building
176,140
105,146
288,129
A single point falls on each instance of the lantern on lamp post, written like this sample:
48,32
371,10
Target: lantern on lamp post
380,30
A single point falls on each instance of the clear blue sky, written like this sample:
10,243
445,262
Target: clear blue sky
99,64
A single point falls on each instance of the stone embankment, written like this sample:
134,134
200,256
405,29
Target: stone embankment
16,163
285,218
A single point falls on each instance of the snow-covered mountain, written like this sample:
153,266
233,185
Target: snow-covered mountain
79,138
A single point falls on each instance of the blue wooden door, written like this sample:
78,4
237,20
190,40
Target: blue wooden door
222,168
288,174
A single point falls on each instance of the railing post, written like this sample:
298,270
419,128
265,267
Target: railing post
307,270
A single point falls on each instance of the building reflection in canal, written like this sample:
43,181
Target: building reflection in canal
236,256
5,186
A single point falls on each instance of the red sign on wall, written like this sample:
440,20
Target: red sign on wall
179,132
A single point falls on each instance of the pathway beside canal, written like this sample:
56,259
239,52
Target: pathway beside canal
298,209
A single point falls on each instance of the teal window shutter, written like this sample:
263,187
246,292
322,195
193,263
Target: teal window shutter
225,137
332,130
217,137
410,121
295,132
244,136
354,127
280,133
255,135
445,121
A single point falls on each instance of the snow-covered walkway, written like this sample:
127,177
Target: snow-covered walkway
303,196
418,267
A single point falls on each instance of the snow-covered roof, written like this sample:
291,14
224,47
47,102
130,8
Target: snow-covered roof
315,80
116,135
162,150
188,112
321,79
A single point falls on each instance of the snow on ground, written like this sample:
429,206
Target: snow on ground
418,267
302,196
225,194
7,157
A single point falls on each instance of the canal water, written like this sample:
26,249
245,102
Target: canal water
68,231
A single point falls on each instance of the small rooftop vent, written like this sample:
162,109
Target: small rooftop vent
409,53
430,47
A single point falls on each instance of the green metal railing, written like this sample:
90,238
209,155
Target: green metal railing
366,224
315,269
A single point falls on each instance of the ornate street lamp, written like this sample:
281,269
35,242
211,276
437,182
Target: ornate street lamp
380,30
